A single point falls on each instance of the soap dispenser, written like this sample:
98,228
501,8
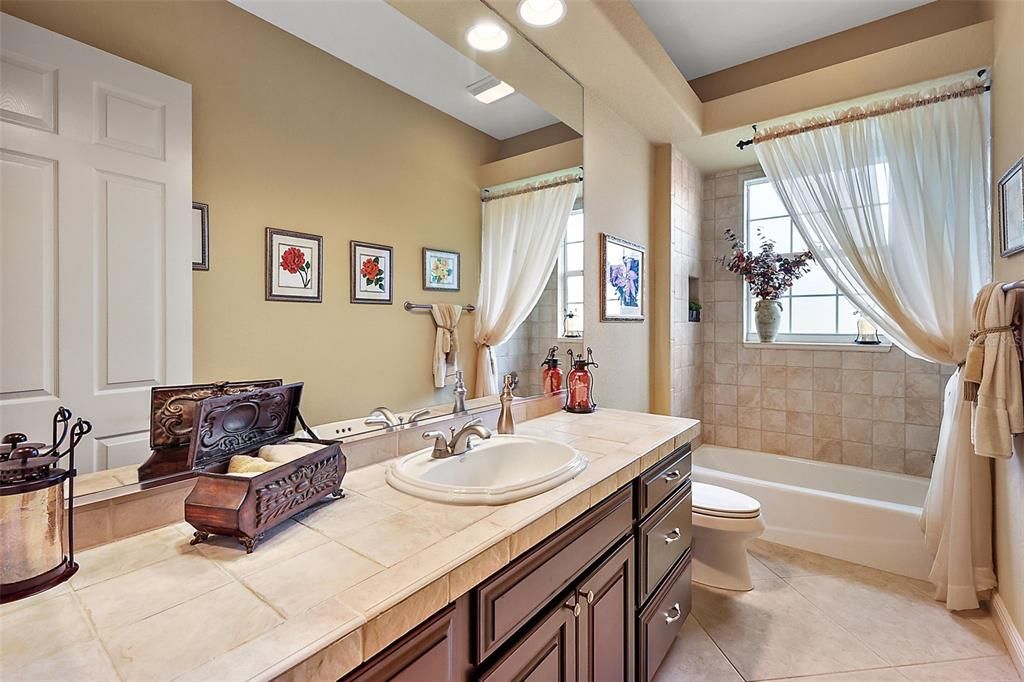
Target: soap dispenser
506,423
460,394
552,378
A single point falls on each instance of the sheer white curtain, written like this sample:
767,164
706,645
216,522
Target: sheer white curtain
519,246
895,208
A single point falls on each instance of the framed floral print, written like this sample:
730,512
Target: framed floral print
1010,209
200,236
440,270
371,273
294,266
622,283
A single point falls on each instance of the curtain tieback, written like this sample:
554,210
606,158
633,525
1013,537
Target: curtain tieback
974,366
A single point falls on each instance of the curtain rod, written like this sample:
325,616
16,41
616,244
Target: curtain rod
487,195
742,144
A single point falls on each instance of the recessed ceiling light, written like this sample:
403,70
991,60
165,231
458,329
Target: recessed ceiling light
541,12
490,89
487,36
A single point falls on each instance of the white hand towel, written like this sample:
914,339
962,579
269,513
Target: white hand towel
446,341
998,410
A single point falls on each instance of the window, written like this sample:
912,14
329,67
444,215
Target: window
570,276
814,310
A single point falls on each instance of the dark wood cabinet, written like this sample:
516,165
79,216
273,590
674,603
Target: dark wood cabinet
437,650
601,600
605,625
545,653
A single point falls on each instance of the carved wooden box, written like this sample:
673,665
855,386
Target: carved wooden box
171,415
246,507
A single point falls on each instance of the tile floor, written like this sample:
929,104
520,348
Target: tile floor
811,617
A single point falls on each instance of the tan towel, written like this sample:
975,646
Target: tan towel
244,465
286,452
446,341
998,410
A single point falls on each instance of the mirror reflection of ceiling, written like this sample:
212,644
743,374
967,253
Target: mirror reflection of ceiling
381,41
706,36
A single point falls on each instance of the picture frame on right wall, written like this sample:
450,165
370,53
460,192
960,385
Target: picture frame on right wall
1010,209
623,282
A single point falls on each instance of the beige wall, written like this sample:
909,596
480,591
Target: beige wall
1007,146
618,162
287,136
877,410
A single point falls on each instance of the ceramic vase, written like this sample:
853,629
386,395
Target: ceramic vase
767,317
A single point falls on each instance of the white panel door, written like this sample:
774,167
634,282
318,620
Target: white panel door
95,239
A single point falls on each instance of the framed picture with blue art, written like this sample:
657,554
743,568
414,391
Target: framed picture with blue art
440,270
622,286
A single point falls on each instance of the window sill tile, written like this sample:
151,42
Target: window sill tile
793,345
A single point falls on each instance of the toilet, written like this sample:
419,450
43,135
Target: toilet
724,521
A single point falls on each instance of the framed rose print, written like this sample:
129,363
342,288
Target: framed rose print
440,270
1010,209
622,282
200,236
294,266
371,273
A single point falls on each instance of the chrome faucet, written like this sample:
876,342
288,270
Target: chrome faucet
382,416
459,443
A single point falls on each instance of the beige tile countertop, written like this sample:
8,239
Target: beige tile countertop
324,591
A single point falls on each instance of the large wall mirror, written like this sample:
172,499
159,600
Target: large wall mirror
330,134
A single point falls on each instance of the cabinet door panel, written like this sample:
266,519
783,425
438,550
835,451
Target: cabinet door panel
547,653
606,623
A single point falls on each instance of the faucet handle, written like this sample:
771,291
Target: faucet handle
428,435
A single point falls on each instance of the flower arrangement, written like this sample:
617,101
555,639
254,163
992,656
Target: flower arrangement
624,277
767,273
294,261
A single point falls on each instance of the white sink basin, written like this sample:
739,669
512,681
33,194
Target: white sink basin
498,470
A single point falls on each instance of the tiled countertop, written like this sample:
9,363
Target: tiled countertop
322,592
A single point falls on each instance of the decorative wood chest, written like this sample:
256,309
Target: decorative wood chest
246,507
171,415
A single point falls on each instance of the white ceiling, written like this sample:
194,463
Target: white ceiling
376,38
704,36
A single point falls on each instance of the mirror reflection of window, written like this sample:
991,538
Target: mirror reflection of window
570,277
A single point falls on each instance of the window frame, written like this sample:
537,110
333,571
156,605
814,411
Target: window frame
748,330
563,276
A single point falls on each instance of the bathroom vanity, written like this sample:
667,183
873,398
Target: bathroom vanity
602,598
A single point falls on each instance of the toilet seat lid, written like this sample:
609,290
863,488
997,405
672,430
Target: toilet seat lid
714,500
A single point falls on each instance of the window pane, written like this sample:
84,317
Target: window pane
814,282
847,317
574,228
574,256
799,245
776,230
574,288
763,201
815,315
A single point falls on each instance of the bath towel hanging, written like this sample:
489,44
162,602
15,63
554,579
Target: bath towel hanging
992,373
446,341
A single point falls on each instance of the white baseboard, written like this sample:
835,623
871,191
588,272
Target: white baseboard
1009,632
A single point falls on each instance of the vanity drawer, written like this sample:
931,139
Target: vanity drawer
508,600
664,478
660,622
663,538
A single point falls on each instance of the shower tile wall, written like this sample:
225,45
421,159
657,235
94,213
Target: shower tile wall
878,410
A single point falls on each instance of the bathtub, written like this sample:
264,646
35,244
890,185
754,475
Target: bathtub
860,515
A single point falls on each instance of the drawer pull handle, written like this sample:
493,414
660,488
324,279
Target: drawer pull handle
588,595
669,618
671,476
672,536
575,607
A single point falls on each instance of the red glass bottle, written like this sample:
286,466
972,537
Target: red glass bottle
552,379
579,397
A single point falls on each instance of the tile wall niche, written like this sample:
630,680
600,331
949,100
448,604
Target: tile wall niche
878,410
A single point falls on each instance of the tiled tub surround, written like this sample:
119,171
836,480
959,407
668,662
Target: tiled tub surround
323,592
868,408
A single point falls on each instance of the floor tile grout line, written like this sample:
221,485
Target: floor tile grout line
724,655
95,633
